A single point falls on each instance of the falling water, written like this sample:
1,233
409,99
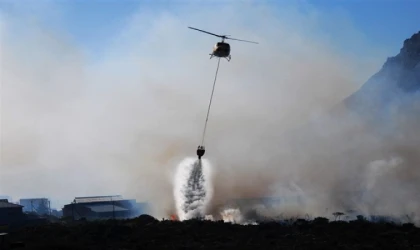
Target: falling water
193,189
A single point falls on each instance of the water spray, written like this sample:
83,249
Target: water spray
193,188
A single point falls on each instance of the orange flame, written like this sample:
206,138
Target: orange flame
174,217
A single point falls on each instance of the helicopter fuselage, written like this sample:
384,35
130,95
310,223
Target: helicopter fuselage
221,49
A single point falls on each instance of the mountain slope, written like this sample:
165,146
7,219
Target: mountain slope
395,83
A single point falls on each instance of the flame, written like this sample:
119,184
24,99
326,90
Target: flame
174,217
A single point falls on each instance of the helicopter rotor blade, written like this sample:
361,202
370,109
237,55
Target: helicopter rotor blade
241,40
207,32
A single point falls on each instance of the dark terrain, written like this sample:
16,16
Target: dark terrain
145,232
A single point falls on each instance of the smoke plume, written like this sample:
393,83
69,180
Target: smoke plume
75,124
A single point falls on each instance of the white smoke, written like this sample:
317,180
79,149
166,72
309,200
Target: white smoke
377,169
232,215
193,188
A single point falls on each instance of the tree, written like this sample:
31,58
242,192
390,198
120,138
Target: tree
337,215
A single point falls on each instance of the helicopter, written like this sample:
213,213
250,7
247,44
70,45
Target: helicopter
221,49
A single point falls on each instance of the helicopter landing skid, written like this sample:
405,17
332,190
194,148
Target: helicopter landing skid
228,58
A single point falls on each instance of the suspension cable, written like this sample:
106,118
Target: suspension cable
211,98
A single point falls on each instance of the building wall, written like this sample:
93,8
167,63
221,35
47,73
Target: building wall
82,210
37,205
76,211
10,215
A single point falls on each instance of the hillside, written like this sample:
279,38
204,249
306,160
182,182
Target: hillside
397,80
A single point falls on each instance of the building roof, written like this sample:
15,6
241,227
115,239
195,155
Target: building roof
34,199
106,208
6,204
97,198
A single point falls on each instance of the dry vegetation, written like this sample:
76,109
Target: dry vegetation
146,232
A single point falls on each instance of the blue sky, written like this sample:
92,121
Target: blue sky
92,23
383,21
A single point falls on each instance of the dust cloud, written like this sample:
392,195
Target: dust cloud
74,125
